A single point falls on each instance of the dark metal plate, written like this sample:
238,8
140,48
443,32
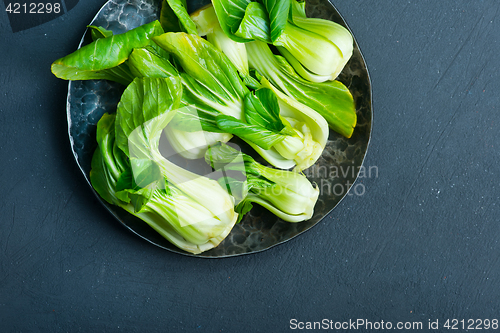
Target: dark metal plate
335,171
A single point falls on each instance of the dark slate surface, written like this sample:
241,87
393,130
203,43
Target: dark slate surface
420,244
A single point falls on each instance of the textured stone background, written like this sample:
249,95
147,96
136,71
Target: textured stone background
420,243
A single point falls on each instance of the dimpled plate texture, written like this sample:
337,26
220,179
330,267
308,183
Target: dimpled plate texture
334,173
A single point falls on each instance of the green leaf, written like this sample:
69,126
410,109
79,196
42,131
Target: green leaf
108,162
169,21
205,19
101,58
235,187
175,18
329,35
208,99
194,213
301,70
255,24
145,172
244,20
100,177
138,183
116,181
191,119
193,115
278,11
208,25
262,108
230,14
126,181
242,209
298,9
315,52
142,101
259,135
141,198
331,99
147,62
99,32
105,136
251,82
224,156
334,32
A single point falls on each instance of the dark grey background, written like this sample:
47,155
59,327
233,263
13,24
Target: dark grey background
420,244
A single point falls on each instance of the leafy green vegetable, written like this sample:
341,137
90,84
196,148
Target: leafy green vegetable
175,18
318,49
314,51
246,20
199,93
143,126
255,24
259,123
187,132
193,145
148,62
301,70
143,100
287,194
102,58
190,119
335,33
99,32
208,25
312,126
185,223
214,88
262,108
331,99
206,65
278,16
251,125
191,211
230,13
298,9
256,134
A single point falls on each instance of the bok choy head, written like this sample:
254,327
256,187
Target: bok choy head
330,99
309,124
317,48
334,33
193,212
287,134
287,194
